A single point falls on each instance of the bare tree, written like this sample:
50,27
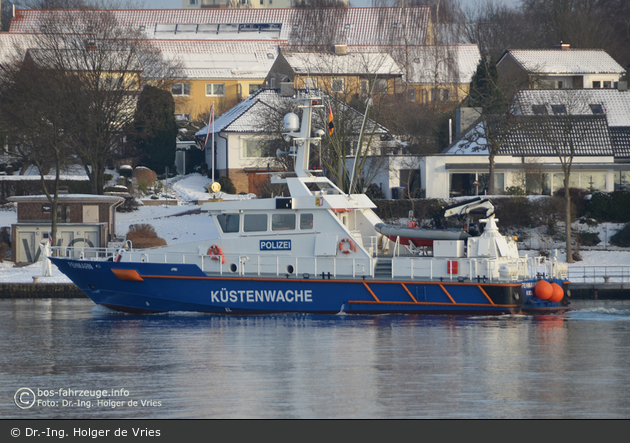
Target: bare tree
109,63
33,108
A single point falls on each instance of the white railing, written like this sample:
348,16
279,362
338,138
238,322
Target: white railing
599,274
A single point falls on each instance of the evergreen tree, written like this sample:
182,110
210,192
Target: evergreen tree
155,129
484,88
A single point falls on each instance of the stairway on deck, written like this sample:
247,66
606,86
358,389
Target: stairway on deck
383,268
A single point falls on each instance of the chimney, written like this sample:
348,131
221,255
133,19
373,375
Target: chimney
340,49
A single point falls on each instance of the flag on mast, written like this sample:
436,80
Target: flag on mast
331,126
210,126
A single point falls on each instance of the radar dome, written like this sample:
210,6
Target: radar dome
291,122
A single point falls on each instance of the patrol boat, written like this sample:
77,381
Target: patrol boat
318,250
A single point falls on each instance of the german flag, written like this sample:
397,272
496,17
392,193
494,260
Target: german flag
331,126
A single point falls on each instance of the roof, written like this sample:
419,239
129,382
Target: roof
620,138
252,114
342,25
76,60
543,135
614,103
82,198
206,59
318,63
565,61
454,63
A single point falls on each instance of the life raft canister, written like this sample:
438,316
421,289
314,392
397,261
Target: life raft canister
352,247
216,253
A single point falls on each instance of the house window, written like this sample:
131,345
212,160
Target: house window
282,222
262,2
560,84
310,83
607,84
215,89
192,2
180,89
365,87
411,95
559,109
253,88
597,109
254,222
440,95
337,85
597,85
539,109
380,86
182,117
257,147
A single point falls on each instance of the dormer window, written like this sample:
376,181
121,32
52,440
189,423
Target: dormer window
539,109
597,109
559,109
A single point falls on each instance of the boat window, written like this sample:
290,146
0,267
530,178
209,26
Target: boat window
306,221
282,222
228,222
255,222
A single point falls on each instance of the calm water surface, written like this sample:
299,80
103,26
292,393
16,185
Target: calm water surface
313,366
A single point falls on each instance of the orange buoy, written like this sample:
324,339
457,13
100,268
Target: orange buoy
557,294
543,290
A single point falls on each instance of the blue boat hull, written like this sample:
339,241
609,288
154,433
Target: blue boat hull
150,287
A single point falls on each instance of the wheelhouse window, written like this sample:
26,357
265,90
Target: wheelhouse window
306,221
215,89
229,222
180,89
255,222
282,222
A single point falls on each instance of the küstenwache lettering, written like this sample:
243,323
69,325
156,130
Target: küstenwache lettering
253,296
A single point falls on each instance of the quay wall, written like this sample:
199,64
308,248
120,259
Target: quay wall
40,290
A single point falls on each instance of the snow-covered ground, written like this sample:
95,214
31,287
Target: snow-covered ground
176,228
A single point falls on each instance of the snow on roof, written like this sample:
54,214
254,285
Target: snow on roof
345,25
317,63
542,135
220,58
565,61
614,103
454,63
253,114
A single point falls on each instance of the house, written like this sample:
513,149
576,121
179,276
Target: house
225,54
345,75
83,220
439,73
529,158
215,72
247,137
559,68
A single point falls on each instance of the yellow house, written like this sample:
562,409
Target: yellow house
345,75
219,72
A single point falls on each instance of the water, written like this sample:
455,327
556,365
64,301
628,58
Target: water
314,366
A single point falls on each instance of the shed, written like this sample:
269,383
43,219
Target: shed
83,220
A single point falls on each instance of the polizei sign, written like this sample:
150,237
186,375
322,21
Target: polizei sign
275,245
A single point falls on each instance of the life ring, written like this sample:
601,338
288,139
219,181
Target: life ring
216,253
382,242
351,246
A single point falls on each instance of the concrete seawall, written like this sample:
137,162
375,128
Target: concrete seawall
40,290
